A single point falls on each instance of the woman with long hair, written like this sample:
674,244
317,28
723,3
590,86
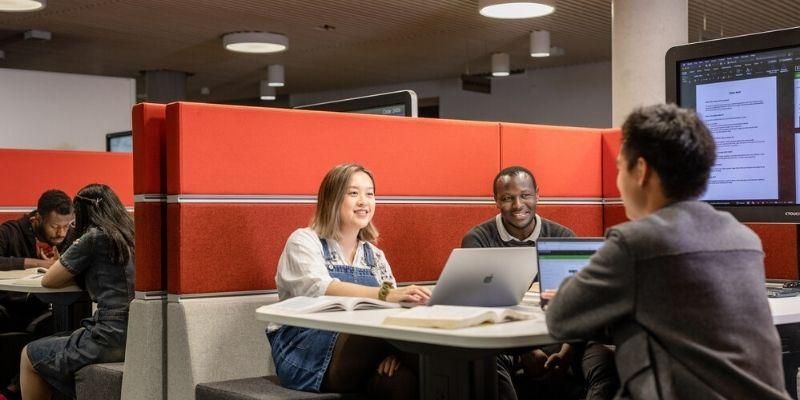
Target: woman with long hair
336,256
101,262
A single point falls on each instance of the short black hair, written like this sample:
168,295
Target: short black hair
511,171
54,200
675,143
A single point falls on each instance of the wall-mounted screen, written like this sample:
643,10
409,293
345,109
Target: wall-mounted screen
747,91
402,103
119,142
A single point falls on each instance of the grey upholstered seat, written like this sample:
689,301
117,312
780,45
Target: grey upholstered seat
261,388
99,382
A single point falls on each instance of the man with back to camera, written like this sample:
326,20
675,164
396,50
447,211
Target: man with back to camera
679,288
542,370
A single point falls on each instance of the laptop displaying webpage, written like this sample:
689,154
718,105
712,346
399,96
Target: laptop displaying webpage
562,258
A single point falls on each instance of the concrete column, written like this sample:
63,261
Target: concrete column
162,86
642,31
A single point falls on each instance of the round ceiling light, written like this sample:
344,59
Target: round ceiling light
22,5
255,42
509,9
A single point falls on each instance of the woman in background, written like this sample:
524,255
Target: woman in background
101,262
336,256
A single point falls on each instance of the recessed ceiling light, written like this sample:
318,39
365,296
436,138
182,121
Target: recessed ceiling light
509,9
22,5
255,42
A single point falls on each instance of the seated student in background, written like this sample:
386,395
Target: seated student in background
544,369
336,256
101,262
33,241
679,288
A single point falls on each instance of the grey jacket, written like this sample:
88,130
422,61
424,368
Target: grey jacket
681,293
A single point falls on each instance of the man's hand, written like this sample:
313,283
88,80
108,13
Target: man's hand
533,363
49,260
559,360
388,366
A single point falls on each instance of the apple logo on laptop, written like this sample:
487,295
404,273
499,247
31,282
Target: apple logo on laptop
488,279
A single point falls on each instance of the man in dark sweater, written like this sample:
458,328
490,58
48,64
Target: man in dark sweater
542,372
34,241
516,196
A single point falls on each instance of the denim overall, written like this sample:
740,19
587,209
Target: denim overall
302,355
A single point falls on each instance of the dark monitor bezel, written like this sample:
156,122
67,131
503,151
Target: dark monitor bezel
110,136
758,42
408,98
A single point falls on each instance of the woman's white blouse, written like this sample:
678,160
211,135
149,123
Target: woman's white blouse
302,270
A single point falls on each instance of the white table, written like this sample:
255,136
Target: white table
454,364
460,363
785,310
70,304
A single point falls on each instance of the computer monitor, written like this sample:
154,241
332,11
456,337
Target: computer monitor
401,103
747,91
119,142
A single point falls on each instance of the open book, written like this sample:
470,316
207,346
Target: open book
303,304
454,317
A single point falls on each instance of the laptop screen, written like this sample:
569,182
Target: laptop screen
563,257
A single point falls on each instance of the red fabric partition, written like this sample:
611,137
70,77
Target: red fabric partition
235,247
215,149
228,247
778,240
8,216
564,160
29,173
149,144
611,145
149,162
780,248
150,244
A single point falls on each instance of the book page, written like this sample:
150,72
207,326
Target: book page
452,317
303,304
364,303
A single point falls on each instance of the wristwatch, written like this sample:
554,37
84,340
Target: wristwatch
386,286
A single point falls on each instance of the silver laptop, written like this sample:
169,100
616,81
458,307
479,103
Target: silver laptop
485,277
563,257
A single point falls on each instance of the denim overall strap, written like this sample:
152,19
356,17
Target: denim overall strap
302,355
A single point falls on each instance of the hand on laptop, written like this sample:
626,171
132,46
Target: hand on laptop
409,294
546,296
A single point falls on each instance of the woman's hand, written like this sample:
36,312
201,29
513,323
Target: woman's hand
388,366
410,294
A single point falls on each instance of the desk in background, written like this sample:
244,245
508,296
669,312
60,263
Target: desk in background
786,317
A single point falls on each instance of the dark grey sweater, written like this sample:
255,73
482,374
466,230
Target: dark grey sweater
681,293
487,235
